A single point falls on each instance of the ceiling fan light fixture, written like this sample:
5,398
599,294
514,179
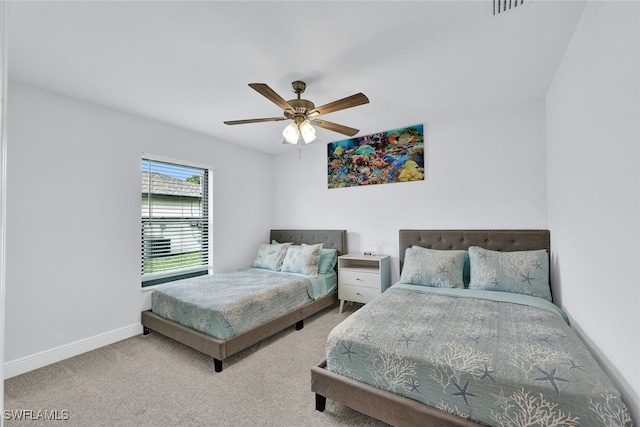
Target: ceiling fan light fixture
291,133
307,131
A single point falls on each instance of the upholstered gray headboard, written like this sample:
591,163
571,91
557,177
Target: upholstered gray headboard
495,240
331,239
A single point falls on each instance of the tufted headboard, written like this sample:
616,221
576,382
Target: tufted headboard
495,240
331,239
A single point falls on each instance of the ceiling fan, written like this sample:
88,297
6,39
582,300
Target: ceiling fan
304,113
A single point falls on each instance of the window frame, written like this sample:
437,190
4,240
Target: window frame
151,279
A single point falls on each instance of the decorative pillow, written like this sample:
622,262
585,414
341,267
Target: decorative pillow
302,259
328,260
430,267
270,256
521,272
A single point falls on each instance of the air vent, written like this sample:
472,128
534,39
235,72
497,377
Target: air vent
501,6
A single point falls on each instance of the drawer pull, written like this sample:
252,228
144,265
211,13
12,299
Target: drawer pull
358,279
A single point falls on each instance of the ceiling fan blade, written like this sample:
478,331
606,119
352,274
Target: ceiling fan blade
335,127
271,95
341,104
266,119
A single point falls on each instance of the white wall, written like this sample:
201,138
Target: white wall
594,188
73,219
482,171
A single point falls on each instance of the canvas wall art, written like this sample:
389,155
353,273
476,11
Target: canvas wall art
380,158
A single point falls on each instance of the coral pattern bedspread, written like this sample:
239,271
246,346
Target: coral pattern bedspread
496,362
223,305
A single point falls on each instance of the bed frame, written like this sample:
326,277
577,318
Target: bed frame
392,408
220,349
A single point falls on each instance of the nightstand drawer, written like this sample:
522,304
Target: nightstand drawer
357,293
360,278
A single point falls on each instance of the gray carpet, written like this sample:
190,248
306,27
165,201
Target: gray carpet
154,381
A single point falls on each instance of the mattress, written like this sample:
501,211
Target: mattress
224,304
491,357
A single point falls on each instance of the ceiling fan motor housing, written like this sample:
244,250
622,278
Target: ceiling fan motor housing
300,108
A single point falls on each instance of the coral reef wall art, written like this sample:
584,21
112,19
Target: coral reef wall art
380,158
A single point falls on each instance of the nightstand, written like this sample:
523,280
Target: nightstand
361,278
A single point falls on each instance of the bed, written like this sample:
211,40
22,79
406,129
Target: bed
478,345
185,312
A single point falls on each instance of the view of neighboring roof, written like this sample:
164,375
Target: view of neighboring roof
168,185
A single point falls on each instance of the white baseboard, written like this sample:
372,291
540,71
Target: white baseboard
47,357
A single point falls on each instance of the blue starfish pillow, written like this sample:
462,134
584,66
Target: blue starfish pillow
302,259
270,256
436,268
520,272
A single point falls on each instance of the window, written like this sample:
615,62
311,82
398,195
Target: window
175,210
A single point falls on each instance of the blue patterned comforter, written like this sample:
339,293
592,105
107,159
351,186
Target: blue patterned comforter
496,362
225,304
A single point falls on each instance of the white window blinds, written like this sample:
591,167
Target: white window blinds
175,221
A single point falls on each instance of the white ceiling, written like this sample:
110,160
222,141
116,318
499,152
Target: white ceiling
188,63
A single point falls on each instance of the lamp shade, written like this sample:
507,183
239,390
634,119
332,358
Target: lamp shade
291,133
307,131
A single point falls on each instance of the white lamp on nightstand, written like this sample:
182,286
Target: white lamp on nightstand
369,246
